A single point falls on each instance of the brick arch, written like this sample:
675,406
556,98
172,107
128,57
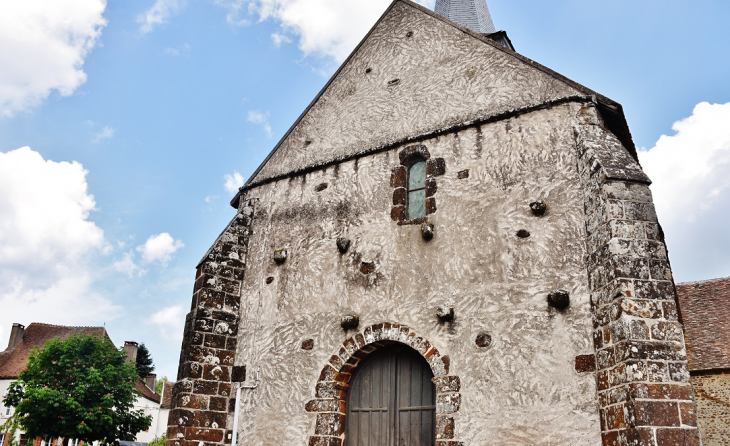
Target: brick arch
333,383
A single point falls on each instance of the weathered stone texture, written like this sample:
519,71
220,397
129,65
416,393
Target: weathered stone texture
444,79
200,396
643,379
524,382
713,407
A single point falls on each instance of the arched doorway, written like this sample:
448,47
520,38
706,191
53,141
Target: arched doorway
391,400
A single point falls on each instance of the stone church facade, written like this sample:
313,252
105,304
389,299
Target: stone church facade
453,245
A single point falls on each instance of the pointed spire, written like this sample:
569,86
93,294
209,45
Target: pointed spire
472,14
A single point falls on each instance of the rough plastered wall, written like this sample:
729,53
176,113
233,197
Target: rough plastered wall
416,73
713,407
521,390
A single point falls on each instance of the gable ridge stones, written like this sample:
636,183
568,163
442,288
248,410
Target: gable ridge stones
606,105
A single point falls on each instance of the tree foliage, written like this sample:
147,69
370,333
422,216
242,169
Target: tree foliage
81,387
158,441
160,384
144,365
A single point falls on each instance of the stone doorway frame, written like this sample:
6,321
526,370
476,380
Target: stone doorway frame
333,383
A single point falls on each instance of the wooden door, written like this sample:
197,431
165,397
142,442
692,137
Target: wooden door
391,401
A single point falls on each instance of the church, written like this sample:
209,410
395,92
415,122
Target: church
452,245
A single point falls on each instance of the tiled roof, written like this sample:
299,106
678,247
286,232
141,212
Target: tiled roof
167,394
13,361
705,308
146,391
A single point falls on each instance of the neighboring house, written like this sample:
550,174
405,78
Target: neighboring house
452,245
153,404
705,310
14,359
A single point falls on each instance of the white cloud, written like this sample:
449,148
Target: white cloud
160,248
170,321
128,266
232,183
104,134
43,45
47,243
330,28
235,9
183,49
262,119
158,14
278,39
691,175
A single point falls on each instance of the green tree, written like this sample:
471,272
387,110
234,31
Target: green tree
160,384
144,365
81,387
158,441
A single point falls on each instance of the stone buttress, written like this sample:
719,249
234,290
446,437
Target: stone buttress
202,409
644,393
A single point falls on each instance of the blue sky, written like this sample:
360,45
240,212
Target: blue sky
166,105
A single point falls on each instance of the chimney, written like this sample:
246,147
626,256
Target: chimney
16,335
150,381
131,348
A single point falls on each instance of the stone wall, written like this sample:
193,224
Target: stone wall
514,355
201,401
713,407
415,74
643,379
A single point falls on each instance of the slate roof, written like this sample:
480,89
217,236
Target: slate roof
472,14
13,361
705,309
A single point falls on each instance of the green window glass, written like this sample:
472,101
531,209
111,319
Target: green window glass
416,206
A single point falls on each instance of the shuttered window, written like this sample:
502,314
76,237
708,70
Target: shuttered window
391,401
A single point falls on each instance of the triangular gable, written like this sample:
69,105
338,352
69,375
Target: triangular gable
415,73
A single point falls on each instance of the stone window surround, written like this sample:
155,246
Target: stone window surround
435,167
331,388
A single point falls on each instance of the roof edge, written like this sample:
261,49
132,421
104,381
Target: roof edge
421,136
609,107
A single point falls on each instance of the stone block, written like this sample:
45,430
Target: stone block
657,413
330,423
399,177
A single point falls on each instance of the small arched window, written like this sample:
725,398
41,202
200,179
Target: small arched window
414,185
416,201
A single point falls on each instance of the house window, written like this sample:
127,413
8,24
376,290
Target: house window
416,199
8,410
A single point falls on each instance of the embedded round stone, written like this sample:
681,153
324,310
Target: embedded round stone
343,244
559,299
483,340
538,208
427,230
523,233
445,313
307,344
349,322
280,256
